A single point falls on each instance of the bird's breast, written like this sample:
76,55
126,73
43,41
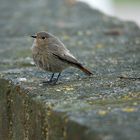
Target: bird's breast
40,57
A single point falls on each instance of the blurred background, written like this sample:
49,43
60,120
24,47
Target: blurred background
123,9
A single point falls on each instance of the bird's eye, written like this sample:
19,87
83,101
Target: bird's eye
43,37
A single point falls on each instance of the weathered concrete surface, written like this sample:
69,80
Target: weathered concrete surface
102,107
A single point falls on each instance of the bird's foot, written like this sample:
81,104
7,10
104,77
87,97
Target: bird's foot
50,82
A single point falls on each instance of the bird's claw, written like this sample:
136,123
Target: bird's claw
50,82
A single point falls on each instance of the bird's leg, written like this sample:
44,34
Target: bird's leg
58,76
51,78
53,81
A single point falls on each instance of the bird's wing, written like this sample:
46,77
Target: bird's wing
62,53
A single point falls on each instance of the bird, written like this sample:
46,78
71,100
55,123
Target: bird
50,54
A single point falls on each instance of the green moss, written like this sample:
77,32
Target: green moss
123,100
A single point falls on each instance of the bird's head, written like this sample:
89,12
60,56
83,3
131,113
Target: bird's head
41,38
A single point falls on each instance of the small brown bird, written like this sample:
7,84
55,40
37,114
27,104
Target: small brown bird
50,54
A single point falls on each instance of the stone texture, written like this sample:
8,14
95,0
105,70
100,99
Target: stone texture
102,107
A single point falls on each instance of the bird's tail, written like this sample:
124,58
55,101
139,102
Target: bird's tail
85,70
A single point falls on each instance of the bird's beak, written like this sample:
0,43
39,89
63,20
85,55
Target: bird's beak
33,36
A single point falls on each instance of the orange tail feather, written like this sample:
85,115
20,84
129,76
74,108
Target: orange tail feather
85,70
